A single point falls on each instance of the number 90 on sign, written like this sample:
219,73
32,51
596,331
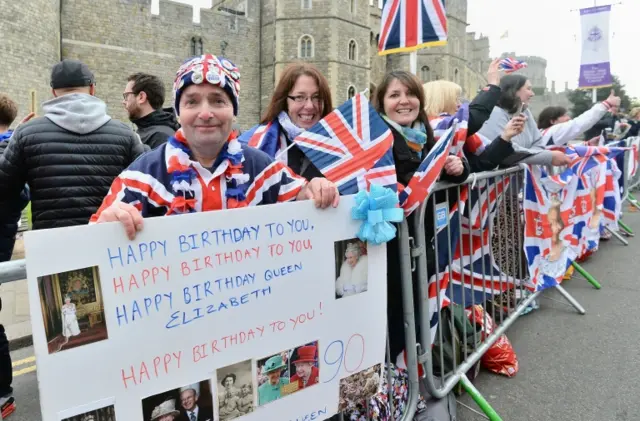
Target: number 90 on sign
337,355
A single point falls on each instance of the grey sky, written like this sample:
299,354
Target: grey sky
548,28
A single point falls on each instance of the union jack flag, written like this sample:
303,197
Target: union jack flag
268,138
584,158
408,25
352,146
510,65
474,144
549,242
425,177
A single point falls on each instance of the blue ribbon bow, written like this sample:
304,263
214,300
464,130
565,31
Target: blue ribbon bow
377,209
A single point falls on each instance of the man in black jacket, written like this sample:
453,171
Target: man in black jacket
143,98
69,157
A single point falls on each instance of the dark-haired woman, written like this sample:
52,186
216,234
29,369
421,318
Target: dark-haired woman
301,99
515,95
558,128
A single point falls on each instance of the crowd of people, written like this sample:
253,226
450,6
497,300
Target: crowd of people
77,165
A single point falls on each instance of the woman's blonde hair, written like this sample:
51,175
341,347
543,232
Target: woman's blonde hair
441,96
634,113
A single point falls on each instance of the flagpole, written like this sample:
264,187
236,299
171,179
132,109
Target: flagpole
594,92
413,62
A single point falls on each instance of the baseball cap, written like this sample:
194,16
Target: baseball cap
71,74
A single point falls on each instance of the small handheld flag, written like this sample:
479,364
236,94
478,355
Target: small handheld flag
510,65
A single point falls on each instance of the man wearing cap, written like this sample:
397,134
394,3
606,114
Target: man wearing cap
166,411
204,167
71,155
271,390
306,371
189,396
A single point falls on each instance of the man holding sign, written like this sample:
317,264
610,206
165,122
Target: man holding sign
204,167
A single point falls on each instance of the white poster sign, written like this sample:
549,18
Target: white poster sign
261,313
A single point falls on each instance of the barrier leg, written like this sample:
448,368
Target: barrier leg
479,399
618,236
587,275
633,201
570,298
626,227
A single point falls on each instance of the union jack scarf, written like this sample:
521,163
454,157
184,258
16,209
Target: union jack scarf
271,138
183,174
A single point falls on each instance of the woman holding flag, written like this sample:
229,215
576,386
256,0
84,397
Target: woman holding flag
529,145
301,99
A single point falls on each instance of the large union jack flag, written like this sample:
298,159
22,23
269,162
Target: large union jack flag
408,25
352,146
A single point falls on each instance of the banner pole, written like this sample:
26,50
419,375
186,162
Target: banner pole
413,62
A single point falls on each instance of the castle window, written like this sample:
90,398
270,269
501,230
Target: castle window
233,24
306,4
353,50
425,73
305,47
456,76
351,92
352,6
196,47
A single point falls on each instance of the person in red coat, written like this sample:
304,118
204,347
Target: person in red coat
306,372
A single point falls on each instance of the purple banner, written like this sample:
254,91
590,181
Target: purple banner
595,75
596,9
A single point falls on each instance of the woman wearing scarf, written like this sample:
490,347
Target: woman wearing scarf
301,99
204,167
444,103
399,98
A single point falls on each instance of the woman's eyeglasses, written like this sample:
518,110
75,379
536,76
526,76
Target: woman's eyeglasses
301,99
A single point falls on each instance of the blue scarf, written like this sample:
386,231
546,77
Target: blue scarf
415,136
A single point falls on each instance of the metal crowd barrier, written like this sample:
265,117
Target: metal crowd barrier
13,270
509,233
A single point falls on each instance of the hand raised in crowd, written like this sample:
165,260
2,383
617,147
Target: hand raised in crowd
594,141
514,127
559,159
127,214
614,100
493,74
453,165
322,191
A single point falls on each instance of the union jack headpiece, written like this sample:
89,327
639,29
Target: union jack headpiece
211,69
510,65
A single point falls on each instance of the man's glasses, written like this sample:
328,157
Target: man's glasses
125,95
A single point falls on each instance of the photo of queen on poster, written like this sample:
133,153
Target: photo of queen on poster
548,205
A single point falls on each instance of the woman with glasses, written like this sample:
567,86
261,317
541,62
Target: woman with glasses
301,99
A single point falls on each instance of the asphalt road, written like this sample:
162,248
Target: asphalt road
25,386
573,367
